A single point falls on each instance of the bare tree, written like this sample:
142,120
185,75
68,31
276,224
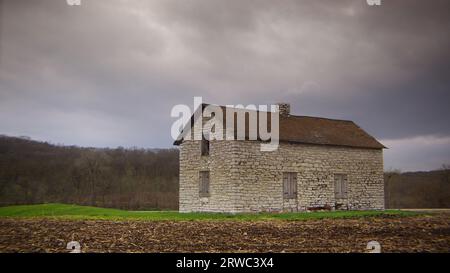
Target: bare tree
388,180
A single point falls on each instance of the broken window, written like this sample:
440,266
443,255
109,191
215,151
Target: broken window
205,147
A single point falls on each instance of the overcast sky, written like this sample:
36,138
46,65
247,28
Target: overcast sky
108,72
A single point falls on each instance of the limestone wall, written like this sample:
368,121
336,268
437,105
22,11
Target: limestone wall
244,179
222,185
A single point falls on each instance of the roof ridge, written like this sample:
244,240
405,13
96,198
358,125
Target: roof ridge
334,119
290,115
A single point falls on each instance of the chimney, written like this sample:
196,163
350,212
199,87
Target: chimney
285,109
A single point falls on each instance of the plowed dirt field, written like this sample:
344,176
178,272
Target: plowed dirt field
425,233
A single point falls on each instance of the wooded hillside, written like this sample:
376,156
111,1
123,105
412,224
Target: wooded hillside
37,172
417,189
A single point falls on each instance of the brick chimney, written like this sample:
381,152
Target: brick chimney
285,109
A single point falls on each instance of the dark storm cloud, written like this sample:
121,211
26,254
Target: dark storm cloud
107,73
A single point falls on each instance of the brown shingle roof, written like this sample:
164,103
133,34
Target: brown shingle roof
315,130
320,131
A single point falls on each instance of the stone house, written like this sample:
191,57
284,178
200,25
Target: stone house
320,163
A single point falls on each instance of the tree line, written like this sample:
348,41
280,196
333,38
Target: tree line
38,172
417,189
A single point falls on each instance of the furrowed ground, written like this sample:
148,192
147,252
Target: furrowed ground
48,228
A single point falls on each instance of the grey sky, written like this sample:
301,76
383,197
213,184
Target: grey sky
108,72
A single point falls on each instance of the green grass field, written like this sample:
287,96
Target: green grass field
65,211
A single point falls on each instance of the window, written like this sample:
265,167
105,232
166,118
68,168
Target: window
340,185
204,184
205,146
289,185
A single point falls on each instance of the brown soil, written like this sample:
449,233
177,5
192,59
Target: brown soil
429,233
